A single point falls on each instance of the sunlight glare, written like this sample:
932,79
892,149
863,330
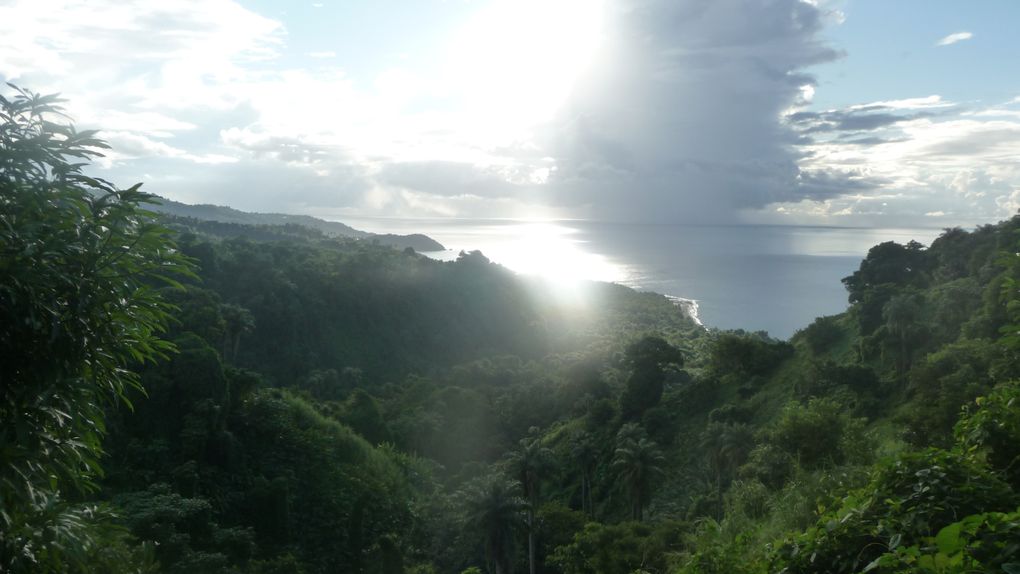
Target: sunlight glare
547,251
517,60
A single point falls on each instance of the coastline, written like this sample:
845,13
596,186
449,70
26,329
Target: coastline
689,307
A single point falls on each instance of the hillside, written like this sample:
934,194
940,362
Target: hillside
185,396
223,214
460,369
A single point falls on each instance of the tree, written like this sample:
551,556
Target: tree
819,433
727,445
529,464
238,321
744,356
901,315
889,262
821,334
639,463
362,413
80,263
648,358
585,455
624,548
493,509
630,432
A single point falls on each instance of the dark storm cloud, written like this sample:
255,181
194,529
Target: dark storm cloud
681,117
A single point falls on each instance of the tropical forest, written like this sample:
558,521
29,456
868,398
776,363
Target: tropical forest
190,395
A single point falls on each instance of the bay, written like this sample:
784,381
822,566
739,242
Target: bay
757,278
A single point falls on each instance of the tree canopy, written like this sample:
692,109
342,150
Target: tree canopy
198,396
79,307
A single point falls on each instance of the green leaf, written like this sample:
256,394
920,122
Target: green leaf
948,539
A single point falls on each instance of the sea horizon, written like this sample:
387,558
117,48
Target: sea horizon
755,277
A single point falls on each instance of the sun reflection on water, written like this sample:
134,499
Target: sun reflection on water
552,252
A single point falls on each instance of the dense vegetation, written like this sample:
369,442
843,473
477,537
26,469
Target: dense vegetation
188,396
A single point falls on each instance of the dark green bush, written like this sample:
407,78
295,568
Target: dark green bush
905,501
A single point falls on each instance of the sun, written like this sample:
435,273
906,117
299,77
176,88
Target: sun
517,60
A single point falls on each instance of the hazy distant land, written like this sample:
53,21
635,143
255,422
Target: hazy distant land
224,214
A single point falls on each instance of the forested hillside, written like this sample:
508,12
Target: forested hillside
226,215
185,396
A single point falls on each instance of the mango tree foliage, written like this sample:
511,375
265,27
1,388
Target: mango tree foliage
80,267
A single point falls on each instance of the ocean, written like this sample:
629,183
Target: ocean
752,277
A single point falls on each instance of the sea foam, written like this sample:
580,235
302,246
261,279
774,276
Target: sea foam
688,306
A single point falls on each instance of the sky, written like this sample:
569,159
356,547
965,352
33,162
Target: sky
823,112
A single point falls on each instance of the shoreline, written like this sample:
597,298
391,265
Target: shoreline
688,306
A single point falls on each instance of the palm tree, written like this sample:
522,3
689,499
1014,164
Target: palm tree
901,314
530,463
585,455
630,432
728,445
493,508
639,463
237,321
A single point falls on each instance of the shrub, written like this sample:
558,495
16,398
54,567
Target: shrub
822,334
905,501
819,433
993,431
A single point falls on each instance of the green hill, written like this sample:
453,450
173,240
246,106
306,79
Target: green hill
188,395
223,214
460,365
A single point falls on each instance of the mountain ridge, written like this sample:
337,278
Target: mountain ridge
225,214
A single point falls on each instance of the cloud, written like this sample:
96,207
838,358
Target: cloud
173,48
958,167
954,38
850,120
681,121
293,150
146,72
676,118
691,110
451,179
927,102
130,146
268,186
